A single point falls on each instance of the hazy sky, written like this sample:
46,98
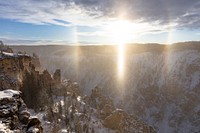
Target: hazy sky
98,21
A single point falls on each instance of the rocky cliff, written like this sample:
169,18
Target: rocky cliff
17,72
11,69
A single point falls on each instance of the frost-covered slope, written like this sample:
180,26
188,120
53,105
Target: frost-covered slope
161,83
164,90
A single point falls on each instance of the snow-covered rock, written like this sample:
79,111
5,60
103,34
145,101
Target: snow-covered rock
14,117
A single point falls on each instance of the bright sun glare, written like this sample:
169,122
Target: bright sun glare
121,33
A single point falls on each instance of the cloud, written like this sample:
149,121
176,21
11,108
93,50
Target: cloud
180,13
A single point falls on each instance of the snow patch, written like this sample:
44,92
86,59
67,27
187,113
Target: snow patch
8,93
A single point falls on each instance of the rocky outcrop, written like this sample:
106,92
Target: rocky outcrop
36,62
40,85
14,66
22,72
124,123
99,100
116,119
11,69
57,76
14,116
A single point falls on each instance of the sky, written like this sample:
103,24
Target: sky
85,22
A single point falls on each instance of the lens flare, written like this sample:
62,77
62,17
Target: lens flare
121,61
121,33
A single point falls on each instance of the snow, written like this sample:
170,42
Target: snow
8,93
12,55
9,54
63,131
36,117
34,130
4,129
79,98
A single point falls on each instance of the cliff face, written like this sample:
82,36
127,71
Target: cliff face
36,87
11,70
21,72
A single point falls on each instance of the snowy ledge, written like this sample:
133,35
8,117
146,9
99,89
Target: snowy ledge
11,55
8,93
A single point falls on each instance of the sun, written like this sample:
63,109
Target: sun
120,31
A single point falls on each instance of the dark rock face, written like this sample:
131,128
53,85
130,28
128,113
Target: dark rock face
36,62
36,86
34,126
14,115
24,116
57,76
